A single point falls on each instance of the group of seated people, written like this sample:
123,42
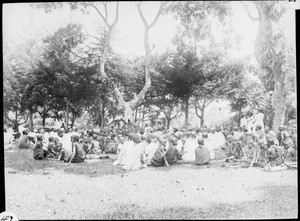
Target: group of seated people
157,147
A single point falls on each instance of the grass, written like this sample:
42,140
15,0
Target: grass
277,202
22,161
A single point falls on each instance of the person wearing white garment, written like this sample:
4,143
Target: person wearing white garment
189,147
150,148
244,122
121,152
259,119
133,153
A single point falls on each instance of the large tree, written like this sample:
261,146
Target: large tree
274,57
128,106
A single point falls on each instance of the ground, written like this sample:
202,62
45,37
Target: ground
97,190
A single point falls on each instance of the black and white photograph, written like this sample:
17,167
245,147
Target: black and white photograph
150,110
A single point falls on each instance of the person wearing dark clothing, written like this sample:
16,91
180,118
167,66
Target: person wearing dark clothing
173,154
39,152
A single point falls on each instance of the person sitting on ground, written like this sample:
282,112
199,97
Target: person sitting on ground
282,135
87,145
150,148
237,133
8,139
96,149
202,154
270,132
50,148
76,156
26,141
133,153
159,158
173,154
39,153
234,150
273,156
121,152
249,153
189,147
289,148
180,142
219,139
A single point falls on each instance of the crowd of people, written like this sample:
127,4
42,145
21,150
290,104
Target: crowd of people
251,144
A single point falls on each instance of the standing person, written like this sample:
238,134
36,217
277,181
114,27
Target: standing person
202,154
244,122
250,122
159,158
39,153
259,119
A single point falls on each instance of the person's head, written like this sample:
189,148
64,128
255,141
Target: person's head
204,135
251,145
24,132
75,138
173,141
121,140
51,139
39,138
94,136
267,129
193,134
90,133
258,127
60,133
175,130
200,141
162,141
56,141
42,130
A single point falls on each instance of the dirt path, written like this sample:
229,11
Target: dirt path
180,192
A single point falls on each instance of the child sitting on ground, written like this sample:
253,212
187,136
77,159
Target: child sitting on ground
51,144
39,152
202,154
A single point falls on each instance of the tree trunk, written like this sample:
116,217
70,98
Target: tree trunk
239,116
265,31
279,99
168,122
16,125
186,112
202,117
30,120
73,120
67,115
143,117
44,119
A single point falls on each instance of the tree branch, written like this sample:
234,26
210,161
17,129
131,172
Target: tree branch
105,20
248,12
158,14
209,102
